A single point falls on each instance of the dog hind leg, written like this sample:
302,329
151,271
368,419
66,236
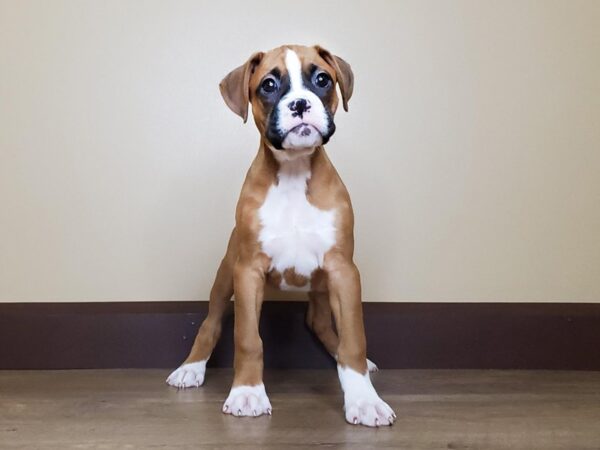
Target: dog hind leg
192,370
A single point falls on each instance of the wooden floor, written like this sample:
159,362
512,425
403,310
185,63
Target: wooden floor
436,409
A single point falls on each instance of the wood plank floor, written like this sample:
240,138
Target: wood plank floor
126,409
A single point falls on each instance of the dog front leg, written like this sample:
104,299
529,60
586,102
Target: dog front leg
362,404
248,396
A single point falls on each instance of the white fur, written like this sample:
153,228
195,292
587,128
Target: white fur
315,119
286,287
371,366
362,405
188,375
294,234
247,401
294,68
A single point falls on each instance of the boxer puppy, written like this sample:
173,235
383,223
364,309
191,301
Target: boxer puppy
294,230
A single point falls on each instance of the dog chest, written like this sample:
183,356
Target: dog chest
295,234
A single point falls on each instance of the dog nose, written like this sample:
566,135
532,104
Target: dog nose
299,107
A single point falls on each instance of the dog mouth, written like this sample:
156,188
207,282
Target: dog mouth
303,130
302,136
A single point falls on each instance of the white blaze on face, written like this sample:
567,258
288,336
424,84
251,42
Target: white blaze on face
294,68
305,130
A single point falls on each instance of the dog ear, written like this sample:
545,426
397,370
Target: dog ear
343,72
234,87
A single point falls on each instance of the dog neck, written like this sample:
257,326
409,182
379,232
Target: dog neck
290,163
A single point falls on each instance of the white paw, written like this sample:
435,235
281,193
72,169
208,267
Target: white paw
362,405
247,401
188,375
372,366
372,412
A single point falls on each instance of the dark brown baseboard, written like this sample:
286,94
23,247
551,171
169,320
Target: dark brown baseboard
557,336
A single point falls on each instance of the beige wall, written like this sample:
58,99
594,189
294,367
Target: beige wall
471,150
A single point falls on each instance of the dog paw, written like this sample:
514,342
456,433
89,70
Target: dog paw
249,401
372,412
372,366
362,405
188,375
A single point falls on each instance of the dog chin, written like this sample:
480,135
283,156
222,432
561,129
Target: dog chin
302,137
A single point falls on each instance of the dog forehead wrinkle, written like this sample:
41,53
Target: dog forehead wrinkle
294,68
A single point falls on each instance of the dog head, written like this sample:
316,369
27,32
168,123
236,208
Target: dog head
292,90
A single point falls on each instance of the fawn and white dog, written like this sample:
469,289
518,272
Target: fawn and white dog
293,229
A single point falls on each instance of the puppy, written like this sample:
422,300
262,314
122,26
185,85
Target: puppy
294,230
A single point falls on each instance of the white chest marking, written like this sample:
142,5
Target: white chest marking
294,234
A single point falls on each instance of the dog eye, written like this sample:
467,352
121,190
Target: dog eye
322,80
269,85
